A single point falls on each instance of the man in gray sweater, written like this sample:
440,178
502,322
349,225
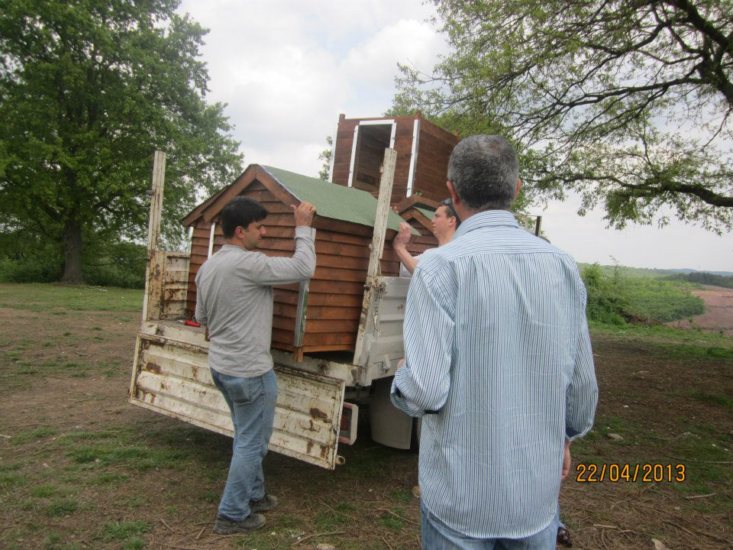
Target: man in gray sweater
234,301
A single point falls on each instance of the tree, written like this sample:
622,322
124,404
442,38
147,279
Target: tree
88,90
623,101
325,157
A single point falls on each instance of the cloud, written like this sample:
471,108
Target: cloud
677,245
287,69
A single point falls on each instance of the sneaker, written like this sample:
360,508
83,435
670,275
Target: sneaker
224,526
265,504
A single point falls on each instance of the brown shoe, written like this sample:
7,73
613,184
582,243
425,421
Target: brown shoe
225,526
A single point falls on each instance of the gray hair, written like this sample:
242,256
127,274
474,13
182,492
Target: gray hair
484,171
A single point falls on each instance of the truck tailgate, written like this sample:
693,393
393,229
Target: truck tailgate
172,377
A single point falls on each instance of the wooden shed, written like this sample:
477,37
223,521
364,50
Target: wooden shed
423,150
324,314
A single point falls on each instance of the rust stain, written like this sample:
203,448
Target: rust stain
145,397
152,367
309,448
325,449
318,413
311,427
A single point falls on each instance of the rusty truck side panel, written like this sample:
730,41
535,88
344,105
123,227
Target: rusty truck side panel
171,377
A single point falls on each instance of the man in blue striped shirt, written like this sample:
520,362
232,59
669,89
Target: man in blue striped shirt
498,360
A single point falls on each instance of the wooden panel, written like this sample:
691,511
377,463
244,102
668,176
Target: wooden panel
431,170
382,345
317,312
283,296
282,339
338,287
315,341
172,378
341,275
342,150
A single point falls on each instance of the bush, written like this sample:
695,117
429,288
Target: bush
704,278
656,300
38,268
607,301
616,299
119,264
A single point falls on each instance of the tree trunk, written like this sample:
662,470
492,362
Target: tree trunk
72,253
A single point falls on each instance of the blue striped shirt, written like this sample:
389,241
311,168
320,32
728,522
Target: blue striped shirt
496,341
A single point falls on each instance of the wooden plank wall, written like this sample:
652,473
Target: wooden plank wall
342,148
434,152
370,156
435,146
336,289
199,254
174,292
403,146
426,240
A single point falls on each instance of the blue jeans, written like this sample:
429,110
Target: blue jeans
437,536
252,404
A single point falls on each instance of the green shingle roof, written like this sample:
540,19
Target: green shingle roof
427,212
333,201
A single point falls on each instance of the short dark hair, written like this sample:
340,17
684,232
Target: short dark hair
484,171
448,203
241,211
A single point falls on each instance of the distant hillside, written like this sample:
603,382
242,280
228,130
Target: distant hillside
714,278
650,272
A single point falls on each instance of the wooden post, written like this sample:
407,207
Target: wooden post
377,248
156,257
380,217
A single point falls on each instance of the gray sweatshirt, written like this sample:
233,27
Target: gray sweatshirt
234,299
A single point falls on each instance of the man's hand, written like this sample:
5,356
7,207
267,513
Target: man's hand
399,243
400,364
303,213
403,236
566,460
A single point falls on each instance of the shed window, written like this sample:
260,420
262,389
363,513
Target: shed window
371,142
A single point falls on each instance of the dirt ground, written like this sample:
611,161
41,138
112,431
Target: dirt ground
645,401
718,311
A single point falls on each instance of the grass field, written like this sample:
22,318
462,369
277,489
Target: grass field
82,468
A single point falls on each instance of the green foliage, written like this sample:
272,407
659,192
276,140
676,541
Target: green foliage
28,257
708,279
624,102
88,91
616,298
660,301
120,264
606,298
325,157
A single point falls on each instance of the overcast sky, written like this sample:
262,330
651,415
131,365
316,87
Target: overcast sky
288,68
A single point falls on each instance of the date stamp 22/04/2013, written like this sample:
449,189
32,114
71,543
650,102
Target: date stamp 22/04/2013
644,472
